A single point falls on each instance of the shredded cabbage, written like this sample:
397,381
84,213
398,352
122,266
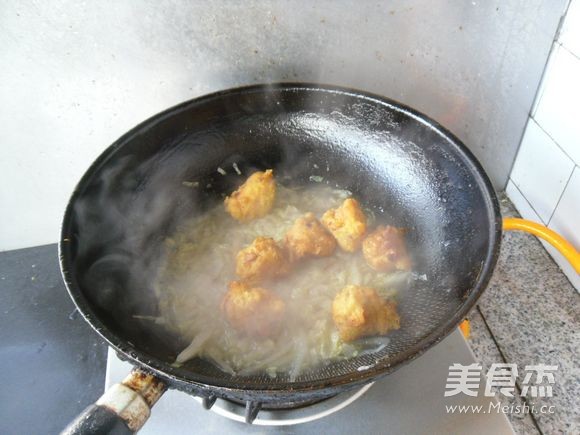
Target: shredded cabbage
199,263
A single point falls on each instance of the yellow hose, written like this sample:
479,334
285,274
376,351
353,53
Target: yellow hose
555,239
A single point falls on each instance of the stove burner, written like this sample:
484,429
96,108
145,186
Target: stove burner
299,413
283,406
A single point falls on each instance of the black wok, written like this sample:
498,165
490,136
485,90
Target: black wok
395,160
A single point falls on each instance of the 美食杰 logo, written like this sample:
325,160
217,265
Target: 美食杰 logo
537,380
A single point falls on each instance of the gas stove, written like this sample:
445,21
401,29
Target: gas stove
408,401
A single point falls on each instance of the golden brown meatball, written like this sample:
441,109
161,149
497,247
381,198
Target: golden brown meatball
256,312
385,251
254,198
261,260
361,312
347,224
308,238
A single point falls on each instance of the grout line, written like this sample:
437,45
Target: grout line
569,51
527,201
505,360
553,140
561,195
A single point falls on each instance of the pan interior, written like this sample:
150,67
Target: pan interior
394,162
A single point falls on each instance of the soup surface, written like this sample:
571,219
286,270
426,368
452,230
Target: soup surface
200,264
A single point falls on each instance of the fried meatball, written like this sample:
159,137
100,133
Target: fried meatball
261,260
254,198
256,311
361,312
385,251
308,238
347,224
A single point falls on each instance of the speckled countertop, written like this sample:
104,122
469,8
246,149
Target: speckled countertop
530,314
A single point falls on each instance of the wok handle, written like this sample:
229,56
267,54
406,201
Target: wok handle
122,409
552,237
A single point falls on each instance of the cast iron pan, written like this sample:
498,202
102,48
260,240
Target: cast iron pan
396,161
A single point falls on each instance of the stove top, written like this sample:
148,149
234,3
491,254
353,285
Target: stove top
408,401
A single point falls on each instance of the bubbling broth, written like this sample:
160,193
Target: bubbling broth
200,264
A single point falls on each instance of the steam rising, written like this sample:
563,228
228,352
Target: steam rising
163,254
148,200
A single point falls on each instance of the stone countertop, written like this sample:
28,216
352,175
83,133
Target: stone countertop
530,314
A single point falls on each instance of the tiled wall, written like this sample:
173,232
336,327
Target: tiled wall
544,183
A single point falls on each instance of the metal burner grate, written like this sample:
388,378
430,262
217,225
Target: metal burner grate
294,413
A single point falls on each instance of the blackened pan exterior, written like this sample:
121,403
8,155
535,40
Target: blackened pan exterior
396,160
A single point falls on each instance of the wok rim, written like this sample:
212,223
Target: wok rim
165,371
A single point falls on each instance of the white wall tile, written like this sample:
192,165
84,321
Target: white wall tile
521,203
570,34
541,170
566,222
558,109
